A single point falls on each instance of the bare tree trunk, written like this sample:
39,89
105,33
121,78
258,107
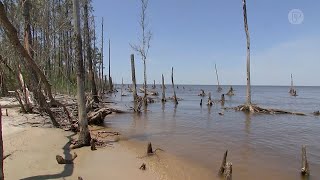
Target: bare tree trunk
101,80
134,84
163,91
89,54
174,91
219,87
145,82
1,148
110,81
248,52
84,136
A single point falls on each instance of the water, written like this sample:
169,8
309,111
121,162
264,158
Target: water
260,146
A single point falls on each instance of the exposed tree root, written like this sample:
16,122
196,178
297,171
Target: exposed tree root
257,109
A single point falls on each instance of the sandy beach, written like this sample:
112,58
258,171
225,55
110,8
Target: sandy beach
32,152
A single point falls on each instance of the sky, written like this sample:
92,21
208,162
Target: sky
192,36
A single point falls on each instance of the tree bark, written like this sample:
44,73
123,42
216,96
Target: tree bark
89,54
84,136
304,162
134,84
248,52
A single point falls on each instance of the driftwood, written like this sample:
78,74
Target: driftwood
219,87
61,160
150,93
149,148
305,171
97,117
80,178
257,109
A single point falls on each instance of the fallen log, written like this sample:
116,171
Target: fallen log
257,109
97,117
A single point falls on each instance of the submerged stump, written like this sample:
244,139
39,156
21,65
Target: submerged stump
305,171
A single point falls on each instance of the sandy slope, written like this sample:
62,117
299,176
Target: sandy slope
34,149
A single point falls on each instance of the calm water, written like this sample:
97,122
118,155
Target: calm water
260,146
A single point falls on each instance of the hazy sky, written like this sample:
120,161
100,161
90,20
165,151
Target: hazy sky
193,35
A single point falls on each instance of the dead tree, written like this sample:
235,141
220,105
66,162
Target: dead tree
143,48
228,171
1,148
219,87
101,80
134,84
174,91
89,54
84,136
110,80
305,171
163,91
248,52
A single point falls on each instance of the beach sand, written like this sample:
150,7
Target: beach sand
33,151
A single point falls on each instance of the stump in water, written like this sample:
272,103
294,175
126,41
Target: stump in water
228,171
316,113
163,90
223,164
202,93
305,171
230,92
174,91
201,102
149,148
210,102
61,160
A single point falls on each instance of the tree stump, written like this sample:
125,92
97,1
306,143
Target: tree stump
228,171
305,171
223,164
93,144
149,148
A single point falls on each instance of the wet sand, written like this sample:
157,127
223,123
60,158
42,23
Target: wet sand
33,151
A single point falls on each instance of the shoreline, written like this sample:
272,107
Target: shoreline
32,153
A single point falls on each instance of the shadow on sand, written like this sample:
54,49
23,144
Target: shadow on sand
68,168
